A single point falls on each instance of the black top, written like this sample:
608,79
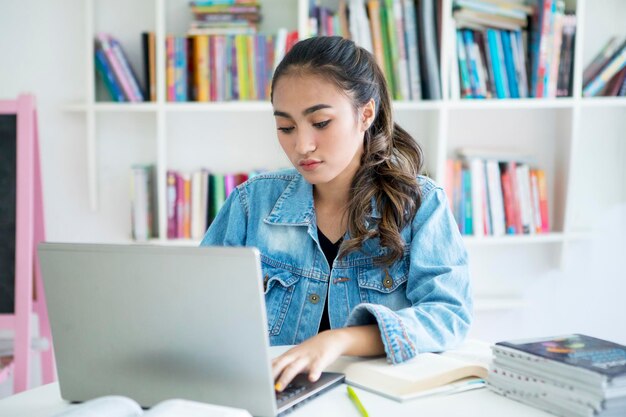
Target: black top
330,250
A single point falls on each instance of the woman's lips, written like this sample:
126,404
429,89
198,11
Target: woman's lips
309,164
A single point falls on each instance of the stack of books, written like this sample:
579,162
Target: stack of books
492,57
496,194
606,74
117,73
573,375
403,35
215,17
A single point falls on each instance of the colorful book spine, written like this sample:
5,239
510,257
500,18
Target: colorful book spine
617,63
465,83
172,232
170,48
180,206
116,65
127,69
106,72
411,42
492,36
509,64
373,8
201,54
543,201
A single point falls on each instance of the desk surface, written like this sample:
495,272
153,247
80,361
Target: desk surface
45,401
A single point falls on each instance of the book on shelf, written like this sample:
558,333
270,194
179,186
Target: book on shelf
121,406
570,375
428,374
508,49
148,46
144,215
605,74
496,193
117,73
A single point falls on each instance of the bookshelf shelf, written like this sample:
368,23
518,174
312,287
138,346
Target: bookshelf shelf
618,102
578,141
513,104
515,239
244,106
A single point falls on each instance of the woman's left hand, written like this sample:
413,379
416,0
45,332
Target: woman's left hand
312,356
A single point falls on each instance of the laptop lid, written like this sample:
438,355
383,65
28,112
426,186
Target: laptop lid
159,322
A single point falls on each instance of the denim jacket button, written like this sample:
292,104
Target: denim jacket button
267,278
387,281
314,298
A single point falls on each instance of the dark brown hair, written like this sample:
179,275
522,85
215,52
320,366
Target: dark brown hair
391,160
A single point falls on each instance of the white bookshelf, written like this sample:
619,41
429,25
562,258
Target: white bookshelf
579,142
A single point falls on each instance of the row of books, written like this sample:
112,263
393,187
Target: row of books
494,197
224,67
573,375
118,75
496,58
606,74
224,17
403,35
194,199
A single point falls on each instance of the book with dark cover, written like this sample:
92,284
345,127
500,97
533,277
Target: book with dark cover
581,351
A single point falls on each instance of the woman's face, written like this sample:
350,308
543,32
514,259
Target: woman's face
318,128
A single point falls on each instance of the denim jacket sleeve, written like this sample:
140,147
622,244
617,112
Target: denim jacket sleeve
229,226
438,288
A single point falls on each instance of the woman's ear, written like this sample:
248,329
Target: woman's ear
367,114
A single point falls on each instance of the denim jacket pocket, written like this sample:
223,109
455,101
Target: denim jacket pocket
384,284
278,286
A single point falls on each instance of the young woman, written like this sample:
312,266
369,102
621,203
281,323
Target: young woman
360,254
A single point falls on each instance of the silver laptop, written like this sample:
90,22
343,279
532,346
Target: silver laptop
159,322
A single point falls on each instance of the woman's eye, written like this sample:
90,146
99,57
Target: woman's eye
321,125
285,129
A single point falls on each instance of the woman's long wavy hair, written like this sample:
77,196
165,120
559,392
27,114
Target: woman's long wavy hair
391,160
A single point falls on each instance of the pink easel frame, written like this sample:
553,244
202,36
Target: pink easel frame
29,232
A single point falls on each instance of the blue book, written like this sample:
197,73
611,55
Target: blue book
467,202
105,71
509,63
492,38
468,38
466,87
181,68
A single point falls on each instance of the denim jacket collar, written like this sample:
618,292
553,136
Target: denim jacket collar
295,205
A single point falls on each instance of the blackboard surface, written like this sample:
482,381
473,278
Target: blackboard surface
8,165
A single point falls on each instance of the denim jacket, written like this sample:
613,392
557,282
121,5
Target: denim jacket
421,303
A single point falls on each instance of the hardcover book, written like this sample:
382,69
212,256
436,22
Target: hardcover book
580,351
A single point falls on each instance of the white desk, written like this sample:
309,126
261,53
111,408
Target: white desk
45,401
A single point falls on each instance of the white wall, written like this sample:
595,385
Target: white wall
42,47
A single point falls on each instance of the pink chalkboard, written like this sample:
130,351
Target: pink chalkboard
21,178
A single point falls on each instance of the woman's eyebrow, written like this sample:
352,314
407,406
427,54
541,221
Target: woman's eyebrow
310,110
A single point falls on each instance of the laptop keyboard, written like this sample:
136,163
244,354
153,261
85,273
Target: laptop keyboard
290,391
